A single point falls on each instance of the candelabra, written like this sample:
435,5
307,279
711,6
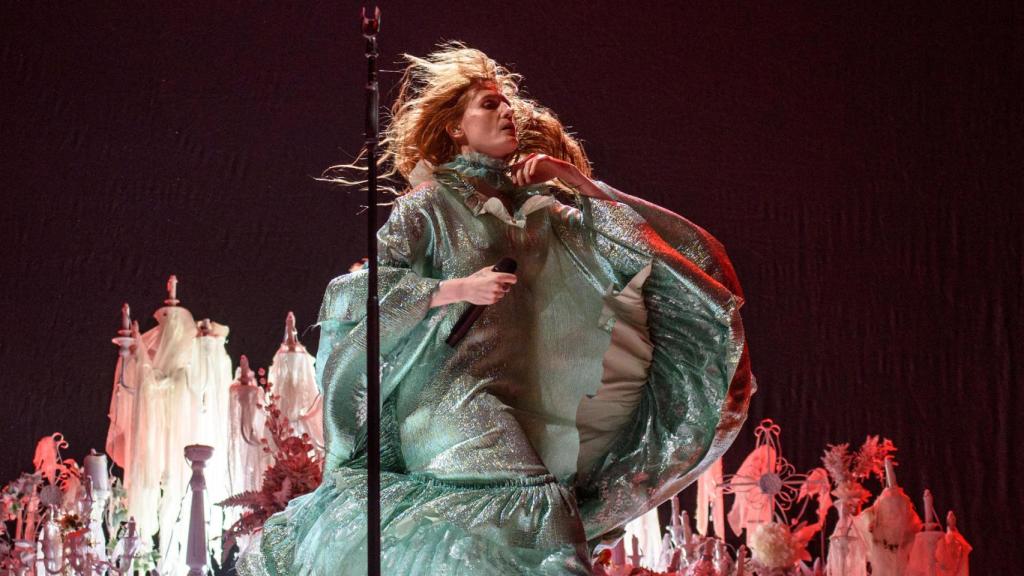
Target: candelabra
125,341
75,552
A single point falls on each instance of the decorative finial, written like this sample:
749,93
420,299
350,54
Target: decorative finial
929,512
172,291
371,26
291,335
890,473
125,340
246,376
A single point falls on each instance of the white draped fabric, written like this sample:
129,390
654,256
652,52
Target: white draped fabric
888,528
647,531
211,376
175,393
247,460
293,376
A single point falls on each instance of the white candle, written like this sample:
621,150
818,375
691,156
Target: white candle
172,287
890,473
126,323
675,511
929,507
96,470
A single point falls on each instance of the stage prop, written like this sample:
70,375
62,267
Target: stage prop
778,512
248,453
172,388
294,378
292,463
170,391
66,519
196,554
194,447
370,26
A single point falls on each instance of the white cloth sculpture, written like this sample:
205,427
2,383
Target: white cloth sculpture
247,460
938,553
952,552
888,528
711,501
210,374
293,376
174,393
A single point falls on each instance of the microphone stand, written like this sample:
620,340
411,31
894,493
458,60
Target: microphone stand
370,28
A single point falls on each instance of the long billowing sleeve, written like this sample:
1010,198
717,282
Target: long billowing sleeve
698,383
406,281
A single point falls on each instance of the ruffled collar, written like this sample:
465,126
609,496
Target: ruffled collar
492,171
460,173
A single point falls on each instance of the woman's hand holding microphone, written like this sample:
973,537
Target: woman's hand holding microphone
483,287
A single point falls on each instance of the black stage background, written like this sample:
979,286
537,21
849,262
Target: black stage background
861,164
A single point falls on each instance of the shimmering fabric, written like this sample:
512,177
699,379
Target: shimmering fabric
480,443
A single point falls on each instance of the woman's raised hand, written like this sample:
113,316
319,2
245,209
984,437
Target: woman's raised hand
541,168
537,168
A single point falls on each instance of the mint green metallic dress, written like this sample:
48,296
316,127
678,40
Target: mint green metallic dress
602,384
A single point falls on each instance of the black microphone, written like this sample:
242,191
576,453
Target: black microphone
507,265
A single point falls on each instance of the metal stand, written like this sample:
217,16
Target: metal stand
370,27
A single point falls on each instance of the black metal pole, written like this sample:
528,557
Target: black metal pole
370,28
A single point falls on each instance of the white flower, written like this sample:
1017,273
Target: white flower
772,545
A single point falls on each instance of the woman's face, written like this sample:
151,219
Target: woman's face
486,125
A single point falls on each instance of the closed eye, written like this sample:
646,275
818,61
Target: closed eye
494,100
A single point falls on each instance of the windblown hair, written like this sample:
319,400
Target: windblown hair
433,95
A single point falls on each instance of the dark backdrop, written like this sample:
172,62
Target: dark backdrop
861,164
